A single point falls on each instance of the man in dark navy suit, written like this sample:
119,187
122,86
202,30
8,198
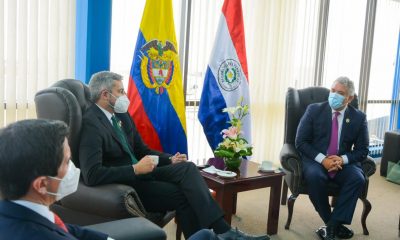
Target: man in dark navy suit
332,139
35,171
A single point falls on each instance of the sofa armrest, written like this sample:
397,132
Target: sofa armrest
105,200
130,228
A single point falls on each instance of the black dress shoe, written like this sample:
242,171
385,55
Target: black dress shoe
326,233
235,234
321,232
344,232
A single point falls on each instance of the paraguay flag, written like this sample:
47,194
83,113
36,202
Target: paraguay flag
226,79
155,84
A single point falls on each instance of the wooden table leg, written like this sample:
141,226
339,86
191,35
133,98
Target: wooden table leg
225,199
284,193
234,206
274,205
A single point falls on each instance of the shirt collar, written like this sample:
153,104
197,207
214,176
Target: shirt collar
107,113
341,111
38,208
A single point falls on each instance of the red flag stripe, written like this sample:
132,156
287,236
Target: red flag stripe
232,10
141,120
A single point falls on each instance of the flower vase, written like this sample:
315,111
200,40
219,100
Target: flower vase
232,164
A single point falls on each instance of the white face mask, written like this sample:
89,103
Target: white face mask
69,183
121,104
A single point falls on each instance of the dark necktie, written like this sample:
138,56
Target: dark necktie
59,222
333,145
122,138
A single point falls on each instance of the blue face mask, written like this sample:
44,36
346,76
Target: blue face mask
335,100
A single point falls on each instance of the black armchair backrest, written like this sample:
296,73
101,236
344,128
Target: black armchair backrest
78,89
66,100
297,101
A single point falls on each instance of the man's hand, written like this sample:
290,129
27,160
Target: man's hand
145,165
178,158
332,163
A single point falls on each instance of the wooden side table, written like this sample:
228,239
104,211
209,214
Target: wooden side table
248,179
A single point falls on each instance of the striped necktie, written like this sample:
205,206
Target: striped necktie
121,135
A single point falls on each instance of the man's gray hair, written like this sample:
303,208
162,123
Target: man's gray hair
345,81
102,81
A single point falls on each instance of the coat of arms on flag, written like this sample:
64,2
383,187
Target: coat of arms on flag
158,64
229,75
155,85
226,80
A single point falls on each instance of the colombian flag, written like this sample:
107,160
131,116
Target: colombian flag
155,86
226,79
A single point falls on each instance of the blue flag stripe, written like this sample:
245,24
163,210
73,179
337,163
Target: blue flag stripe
171,134
210,113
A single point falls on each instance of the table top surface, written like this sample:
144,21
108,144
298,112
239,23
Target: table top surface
248,171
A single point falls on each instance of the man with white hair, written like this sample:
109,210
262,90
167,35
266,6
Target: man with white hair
332,139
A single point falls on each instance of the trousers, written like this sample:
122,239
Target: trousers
180,187
351,181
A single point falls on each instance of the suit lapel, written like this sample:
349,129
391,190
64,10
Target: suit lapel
345,126
14,210
328,119
124,118
106,123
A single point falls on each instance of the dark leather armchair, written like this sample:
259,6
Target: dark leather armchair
296,104
131,228
67,100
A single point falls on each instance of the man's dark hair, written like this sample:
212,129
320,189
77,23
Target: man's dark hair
29,149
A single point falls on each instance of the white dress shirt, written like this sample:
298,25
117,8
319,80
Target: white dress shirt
107,113
38,208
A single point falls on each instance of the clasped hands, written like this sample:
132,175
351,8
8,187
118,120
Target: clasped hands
332,163
178,158
146,164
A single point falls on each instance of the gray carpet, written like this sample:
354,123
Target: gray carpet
382,221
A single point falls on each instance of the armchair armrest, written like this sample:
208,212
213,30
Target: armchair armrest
368,166
106,200
131,228
290,159
292,166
